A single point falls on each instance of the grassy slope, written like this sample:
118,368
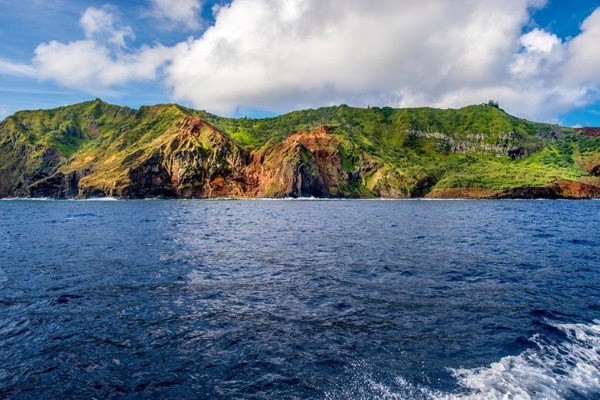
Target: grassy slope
119,147
107,136
384,132
34,143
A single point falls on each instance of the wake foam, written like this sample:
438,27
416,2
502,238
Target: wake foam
554,370
367,385
563,368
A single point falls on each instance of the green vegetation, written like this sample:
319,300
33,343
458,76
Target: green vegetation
503,173
476,146
493,103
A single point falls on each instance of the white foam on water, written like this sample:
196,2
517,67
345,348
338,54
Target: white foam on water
444,199
292,199
553,370
26,199
51,199
367,386
100,199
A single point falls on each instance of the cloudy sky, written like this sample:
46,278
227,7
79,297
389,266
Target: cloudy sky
539,58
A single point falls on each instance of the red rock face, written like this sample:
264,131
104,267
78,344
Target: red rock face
559,190
463,193
201,161
287,169
578,190
589,132
324,148
315,139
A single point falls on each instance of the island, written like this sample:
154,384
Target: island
96,149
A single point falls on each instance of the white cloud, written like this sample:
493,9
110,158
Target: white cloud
280,55
534,4
89,66
100,24
16,69
534,100
583,64
542,51
539,41
100,61
177,14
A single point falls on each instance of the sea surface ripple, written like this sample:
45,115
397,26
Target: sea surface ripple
300,299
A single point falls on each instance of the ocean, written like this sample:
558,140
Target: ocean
286,299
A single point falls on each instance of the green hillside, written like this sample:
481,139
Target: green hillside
98,149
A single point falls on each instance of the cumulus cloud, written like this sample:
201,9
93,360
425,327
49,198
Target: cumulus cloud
101,24
92,67
100,61
279,55
539,41
584,53
177,14
541,52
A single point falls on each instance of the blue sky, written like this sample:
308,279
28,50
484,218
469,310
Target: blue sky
263,57
564,18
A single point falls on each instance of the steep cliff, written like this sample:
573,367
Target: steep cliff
96,149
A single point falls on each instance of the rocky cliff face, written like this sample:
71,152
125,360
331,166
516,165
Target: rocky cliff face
503,145
95,149
198,160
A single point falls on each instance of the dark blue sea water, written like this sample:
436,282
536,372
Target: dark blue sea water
300,299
